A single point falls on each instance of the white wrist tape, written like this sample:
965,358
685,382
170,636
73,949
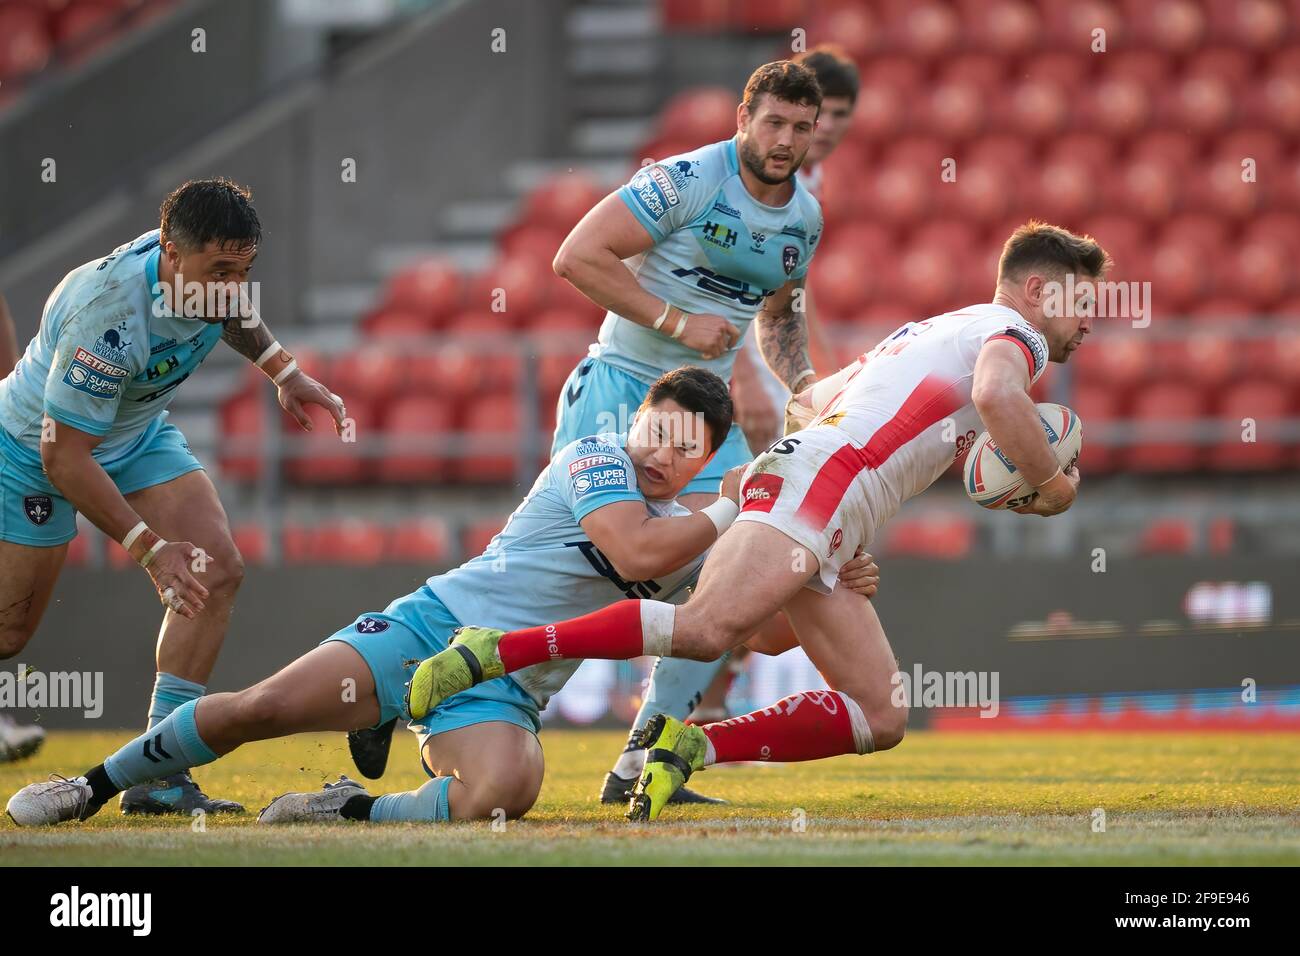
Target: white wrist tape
133,534
722,513
286,371
1053,478
152,553
803,375
681,326
663,317
271,349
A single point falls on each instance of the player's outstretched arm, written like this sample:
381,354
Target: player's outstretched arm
591,260
782,332
72,469
1000,392
250,337
641,547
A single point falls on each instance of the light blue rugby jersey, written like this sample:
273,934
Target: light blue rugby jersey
717,250
541,567
103,362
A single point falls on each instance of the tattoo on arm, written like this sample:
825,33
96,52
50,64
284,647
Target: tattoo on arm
783,337
249,340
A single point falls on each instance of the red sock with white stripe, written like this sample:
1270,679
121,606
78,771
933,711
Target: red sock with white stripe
807,726
619,632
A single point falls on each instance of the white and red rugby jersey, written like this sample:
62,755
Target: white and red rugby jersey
906,409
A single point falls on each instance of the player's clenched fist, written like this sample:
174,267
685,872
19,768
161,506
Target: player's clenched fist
731,482
301,389
710,335
1054,495
177,588
861,574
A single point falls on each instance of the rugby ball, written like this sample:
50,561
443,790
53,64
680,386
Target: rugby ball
992,480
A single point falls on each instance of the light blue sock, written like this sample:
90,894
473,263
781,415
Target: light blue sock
676,686
171,746
427,805
169,692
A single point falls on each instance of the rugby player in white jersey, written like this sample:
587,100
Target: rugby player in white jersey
880,432
83,428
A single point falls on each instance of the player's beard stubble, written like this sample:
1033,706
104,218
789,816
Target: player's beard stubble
755,163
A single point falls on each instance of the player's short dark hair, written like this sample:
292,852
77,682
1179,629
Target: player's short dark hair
700,392
1040,245
836,73
786,80
210,210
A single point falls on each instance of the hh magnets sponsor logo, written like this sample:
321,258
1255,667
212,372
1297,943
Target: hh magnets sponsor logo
593,461
169,364
720,235
371,625
760,492
39,508
789,259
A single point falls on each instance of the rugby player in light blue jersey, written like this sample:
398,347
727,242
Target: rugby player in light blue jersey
599,523
83,427
713,240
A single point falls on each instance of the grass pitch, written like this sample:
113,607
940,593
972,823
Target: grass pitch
984,799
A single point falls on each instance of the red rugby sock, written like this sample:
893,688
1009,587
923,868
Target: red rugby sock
806,726
612,633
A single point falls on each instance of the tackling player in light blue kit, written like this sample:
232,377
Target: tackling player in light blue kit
715,239
83,427
600,522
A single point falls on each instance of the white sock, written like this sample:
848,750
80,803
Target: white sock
657,628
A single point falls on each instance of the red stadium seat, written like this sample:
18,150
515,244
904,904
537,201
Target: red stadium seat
1098,408
397,324
242,420
1093,151
981,72
372,373
1161,405
79,548
928,31
1071,25
880,115
954,111
531,241
701,115
1200,104
521,286
853,27
1004,151
561,201
770,15
85,26
421,540
1259,405
1232,65
901,194
351,541
944,538
982,193
1117,106
560,342
1167,536
1261,272
321,456
252,541
492,419
1180,273
1251,24
297,543
1174,26
843,280
1174,148
426,421
1063,191
25,42
1118,361
1066,70
432,288
1006,28
1038,109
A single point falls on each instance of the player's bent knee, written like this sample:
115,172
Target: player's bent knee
224,570
888,725
493,799
261,708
